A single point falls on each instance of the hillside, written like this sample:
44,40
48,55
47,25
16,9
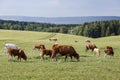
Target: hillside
61,20
93,29
90,67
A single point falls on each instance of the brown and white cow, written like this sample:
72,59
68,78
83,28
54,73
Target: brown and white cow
90,47
64,50
16,52
109,51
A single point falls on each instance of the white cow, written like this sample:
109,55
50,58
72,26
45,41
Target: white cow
96,51
10,45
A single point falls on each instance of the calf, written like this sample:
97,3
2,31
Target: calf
45,51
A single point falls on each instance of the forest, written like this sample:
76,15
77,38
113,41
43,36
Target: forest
92,29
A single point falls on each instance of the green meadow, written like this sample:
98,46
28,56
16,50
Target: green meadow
90,66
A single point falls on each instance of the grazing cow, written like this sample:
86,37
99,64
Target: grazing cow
76,41
10,45
88,41
53,39
96,51
91,47
38,46
16,52
64,50
109,51
45,51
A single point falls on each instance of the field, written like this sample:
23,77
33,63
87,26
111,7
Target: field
90,67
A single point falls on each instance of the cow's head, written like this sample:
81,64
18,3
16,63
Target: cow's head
22,54
77,56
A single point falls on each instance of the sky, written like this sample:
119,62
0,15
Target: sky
60,8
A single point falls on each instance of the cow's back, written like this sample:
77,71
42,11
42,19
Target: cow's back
14,52
65,49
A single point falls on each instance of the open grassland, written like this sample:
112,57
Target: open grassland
90,67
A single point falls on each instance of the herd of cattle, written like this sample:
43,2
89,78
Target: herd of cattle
57,50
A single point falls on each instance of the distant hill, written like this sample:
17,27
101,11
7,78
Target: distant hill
60,20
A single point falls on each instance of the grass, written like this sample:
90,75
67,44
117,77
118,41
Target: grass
90,67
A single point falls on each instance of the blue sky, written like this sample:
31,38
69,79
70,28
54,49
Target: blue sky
60,8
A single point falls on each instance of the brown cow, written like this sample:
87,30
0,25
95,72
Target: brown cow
16,52
38,46
76,41
64,50
108,47
90,47
45,51
109,51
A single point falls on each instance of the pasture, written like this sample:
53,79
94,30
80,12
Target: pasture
90,67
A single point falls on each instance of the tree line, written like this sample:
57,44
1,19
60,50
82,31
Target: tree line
33,26
98,29
93,29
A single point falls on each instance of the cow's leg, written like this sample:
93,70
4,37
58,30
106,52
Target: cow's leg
53,56
42,56
10,58
105,55
92,50
19,58
99,53
71,58
49,56
65,58
86,50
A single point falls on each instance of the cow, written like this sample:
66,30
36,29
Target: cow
16,52
75,41
108,47
87,41
90,47
96,51
64,50
109,51
45,51
53,39
38,46
10,45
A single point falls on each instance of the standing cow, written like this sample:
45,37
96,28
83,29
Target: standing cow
90,47
44,51
64,50
10,45
109,51
96,51
38,46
